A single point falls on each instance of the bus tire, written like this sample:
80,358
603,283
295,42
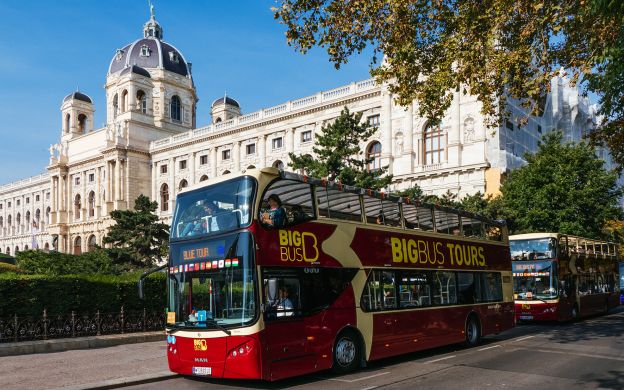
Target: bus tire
347,352
473,331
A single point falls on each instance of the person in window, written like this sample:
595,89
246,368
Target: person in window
380,219
276,215
210,212
284,305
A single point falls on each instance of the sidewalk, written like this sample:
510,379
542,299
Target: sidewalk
84,363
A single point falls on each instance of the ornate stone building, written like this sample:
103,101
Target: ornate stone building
150,145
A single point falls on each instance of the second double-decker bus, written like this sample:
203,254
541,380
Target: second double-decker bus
274,274
560,277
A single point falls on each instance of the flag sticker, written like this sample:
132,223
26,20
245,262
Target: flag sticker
221,263
235,262
208,265
228,263
215,264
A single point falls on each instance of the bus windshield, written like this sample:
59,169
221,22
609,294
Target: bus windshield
542,248
212,283
535,279
214,209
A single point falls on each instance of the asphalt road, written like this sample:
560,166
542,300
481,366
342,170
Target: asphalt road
583,355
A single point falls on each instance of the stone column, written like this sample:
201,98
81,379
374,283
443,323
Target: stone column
154,181
237,158
109,181
192,157
453,147
262,151
409,136
171,184
213,162
98,196
117,181
386,130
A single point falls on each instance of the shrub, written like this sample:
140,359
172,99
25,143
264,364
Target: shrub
55,263
29,295
4,268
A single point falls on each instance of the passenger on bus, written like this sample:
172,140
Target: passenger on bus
210,214
276,215
380,219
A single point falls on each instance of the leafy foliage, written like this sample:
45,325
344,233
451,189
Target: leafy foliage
564,188
56,263
29,295
138,235
339,156
492,49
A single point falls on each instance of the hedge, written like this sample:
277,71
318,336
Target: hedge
29,295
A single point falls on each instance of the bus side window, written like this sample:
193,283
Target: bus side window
379,292
295,198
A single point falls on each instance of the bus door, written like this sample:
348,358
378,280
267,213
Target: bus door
380,297
567,297
286,346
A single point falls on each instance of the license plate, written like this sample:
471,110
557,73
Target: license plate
526,317
202,370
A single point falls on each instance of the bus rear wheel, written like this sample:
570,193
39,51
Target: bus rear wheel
473,332
347,352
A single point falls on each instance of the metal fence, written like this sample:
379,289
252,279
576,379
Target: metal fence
47,326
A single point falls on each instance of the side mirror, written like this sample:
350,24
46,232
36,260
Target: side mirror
272,290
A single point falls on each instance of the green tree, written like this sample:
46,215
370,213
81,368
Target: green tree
492,49
563,188
339,156
138,233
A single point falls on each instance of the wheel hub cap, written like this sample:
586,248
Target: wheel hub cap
345,352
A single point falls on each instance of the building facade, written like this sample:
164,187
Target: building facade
151,145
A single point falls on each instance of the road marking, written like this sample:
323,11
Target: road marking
359,379
524,338
493,346
589,355
437,360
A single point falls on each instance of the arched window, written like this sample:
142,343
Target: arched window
373,155
27,220
225,172
82,123
91,243
46,247
25,247
115,106
1,222
251,167
67,122
38,216
278,164
18,220
142,101
8,251
183,184
203,178
124,101
77,207
77,245
17,250
434,145
91,204
48,215
9,221
176,108
218,120
164,197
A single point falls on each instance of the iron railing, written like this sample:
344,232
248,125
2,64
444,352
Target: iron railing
15,329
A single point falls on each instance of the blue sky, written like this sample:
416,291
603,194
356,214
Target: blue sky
49,48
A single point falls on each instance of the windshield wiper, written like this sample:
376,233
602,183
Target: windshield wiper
216,325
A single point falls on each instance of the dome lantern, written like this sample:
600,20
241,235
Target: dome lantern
152,29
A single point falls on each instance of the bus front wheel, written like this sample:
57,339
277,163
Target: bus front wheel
473,332
347,352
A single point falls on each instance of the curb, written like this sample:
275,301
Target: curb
60,345
123,382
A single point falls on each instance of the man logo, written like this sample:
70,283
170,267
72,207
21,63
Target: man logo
200,345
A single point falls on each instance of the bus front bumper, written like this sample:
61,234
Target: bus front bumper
535,311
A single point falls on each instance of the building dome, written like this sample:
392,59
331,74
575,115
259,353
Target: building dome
225,100
78,96
150,52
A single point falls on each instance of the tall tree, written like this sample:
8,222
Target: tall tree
563,188
139,233
339,156
493,49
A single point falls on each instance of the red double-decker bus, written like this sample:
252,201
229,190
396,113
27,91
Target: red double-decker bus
324,276
560,277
